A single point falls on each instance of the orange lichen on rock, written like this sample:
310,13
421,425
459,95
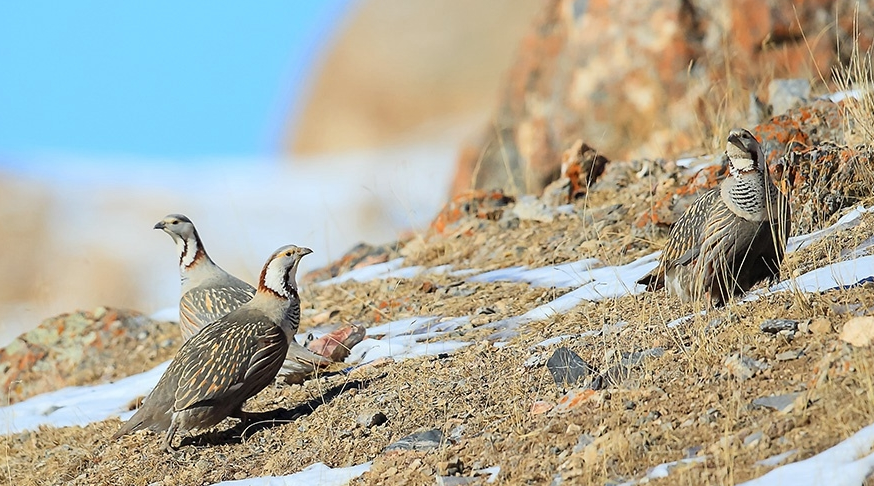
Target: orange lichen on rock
478,204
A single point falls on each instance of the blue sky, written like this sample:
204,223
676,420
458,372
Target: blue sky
156,79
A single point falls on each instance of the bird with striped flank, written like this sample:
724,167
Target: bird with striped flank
229,360
209,292
732,237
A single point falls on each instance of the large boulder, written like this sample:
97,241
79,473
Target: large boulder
648,79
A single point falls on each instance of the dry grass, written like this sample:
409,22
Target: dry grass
682,404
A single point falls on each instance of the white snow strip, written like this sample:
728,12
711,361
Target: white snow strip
389,269
79,405
830,276
839,96
317,473
846,464
602,283
400,347
848,220
402,326
565,275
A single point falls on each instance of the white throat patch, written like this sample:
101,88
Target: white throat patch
187,250
275,278
742,163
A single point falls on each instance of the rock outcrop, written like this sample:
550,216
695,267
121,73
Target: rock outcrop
652,79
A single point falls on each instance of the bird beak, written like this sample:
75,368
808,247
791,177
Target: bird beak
160,225
305,251
735,140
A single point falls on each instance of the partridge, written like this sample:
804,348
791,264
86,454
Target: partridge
229,360
209,292
732,237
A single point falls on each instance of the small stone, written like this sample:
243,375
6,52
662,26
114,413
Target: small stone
571,400
540,407
567,368
789,355
773,326
821,325
371,418
743,367
535,360
753,439
582,442
785,94
637,357
456,480
532,209
859,331
781,403
418,441
613,377
451,467
202,465
804,326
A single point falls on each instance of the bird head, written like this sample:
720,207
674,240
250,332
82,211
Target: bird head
178,226
744,152
279,274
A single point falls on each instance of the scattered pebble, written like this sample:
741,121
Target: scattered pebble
743,367
451,467
371,418
781,403
418,441
582,442
572,399
789,355
859,331
540,407
820,325
567,368
536,360
753,439
773,326
530,208
456,480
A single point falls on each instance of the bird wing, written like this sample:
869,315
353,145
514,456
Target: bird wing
684,242
206,304
723,245
241,350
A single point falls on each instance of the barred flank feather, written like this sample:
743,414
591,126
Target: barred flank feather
730,238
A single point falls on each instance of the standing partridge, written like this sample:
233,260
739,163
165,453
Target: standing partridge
209,292
730,238
229,360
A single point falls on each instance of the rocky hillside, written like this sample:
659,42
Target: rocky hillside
509,345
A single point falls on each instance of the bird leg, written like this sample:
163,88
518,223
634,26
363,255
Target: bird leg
167,445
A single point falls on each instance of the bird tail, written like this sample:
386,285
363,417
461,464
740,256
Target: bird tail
653,281
146,418
135,423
